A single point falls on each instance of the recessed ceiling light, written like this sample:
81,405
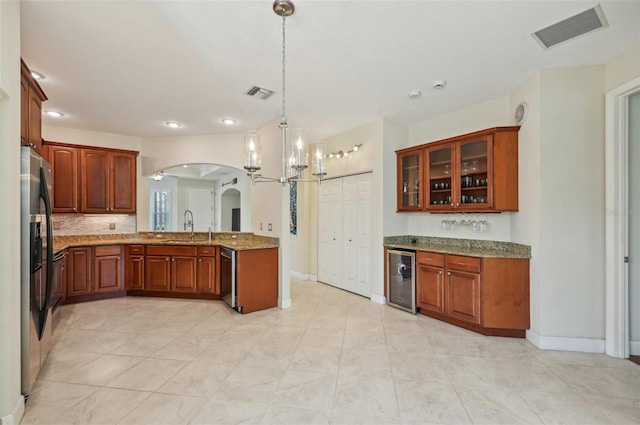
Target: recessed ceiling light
228,121
173,124
439,84
54,114
414,94
37,75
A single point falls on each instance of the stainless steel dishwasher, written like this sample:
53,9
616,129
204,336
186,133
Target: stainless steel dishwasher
401,279
228,289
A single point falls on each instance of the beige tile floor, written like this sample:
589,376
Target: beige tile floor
333,358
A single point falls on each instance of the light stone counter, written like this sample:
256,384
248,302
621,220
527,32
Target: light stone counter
467,247
235,240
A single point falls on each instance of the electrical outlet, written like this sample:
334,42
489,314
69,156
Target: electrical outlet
112,226
269,227
260,226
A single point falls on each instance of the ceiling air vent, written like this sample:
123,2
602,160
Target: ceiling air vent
260,92
579,24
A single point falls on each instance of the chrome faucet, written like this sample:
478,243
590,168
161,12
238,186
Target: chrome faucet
190,222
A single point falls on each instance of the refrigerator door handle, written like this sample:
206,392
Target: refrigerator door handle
44,194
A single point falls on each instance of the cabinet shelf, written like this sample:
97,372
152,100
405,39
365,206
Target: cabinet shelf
473,157
474,188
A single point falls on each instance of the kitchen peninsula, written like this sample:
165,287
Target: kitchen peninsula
171,264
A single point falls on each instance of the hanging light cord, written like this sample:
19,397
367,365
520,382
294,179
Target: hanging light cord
283,120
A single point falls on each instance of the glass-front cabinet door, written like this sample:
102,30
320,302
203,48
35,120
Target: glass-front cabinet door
410,196
441,177
474,181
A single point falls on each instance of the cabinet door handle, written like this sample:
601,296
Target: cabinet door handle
118,258
448,273
106,209
440,272
200,260
166,259
75,209
173,259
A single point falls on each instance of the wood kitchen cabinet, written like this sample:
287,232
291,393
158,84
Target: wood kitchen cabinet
486,295
79,272
92,180
257,279
134,267
462,291
410,180
473,172
64,177
107,181
208,280
107,269
171,268
31,98
430,281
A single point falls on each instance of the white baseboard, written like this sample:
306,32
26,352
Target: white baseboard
634,348
379,299
303,276
16,414
283,304
584,345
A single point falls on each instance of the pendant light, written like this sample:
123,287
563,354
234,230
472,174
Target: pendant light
295,158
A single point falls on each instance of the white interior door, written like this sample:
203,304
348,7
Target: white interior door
330,232
200,203
357,234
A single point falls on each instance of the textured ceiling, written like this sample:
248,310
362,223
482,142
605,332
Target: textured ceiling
126,67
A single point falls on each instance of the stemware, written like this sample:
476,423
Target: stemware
447,169
474,165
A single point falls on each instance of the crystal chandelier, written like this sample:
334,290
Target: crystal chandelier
297,159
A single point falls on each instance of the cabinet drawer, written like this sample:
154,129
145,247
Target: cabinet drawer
136,249
206,251
430,258
100,251
185,251
459,262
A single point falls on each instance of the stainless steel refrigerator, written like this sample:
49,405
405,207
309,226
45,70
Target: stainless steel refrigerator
36,255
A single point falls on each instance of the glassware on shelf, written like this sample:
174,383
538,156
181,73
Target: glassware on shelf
405,187
465,167
474,165
447,169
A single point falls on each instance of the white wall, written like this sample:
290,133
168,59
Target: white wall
229,201
525,224
493,113
244,187
394,137
624,68
11,401
572,203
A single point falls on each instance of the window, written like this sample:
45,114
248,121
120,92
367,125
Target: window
160,210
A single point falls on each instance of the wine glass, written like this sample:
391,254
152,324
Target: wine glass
447,169
474,165
465,167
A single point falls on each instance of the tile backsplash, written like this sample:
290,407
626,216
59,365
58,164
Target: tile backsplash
93,224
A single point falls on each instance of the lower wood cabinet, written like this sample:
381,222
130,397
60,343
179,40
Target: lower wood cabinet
171,268
134,267
257,279
79,277
94,273
107,269
208,280
430,281
487,295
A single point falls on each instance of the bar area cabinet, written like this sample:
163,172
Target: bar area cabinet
410,177
473,172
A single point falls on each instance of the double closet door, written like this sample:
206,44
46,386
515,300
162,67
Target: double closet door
344,233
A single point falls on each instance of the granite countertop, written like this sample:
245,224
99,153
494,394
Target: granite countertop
467,247
235,240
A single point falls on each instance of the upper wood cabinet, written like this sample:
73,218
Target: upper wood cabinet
107,181
31,98
473,172
410,180
92,180
64,177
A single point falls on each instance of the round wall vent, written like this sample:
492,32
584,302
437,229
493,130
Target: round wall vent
521,113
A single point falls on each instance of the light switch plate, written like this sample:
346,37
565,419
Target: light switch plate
112,226
269,227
